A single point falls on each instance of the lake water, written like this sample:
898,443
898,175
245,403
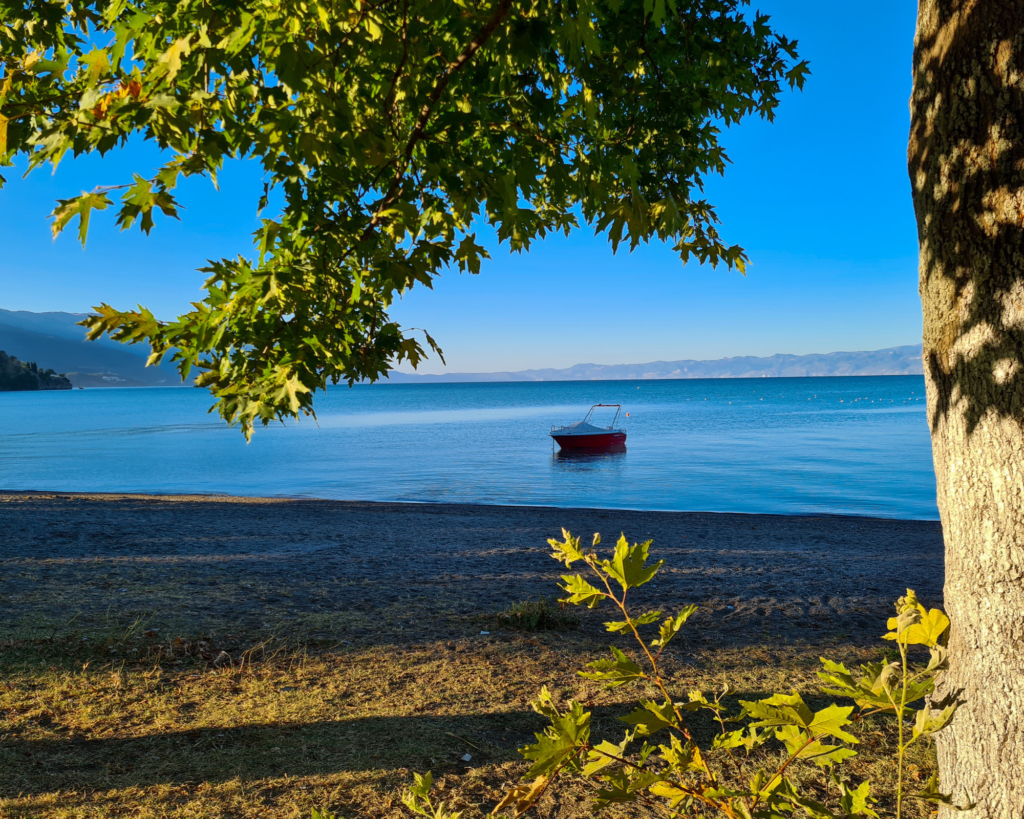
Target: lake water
779,445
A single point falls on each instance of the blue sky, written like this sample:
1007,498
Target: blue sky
820,199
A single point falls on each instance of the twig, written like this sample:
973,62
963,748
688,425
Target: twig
389,99
687,790
456,736
782,770
416,134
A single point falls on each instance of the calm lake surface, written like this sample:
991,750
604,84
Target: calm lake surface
854,445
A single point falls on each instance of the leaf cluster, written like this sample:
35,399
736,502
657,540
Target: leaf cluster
659,762
391,131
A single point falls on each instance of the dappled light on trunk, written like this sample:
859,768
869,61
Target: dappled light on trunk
966,164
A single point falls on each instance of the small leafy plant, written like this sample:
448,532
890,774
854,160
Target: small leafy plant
417,799
729,776
893,688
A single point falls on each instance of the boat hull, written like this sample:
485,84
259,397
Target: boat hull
595,440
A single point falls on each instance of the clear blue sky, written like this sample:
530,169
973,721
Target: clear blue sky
820,199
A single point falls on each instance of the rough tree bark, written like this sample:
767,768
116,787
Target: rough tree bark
966,163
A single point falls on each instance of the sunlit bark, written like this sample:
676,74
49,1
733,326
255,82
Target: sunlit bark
966,162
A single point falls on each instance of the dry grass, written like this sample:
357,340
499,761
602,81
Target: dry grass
125,724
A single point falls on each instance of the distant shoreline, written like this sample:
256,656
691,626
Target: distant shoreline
384,382
269,500
441,381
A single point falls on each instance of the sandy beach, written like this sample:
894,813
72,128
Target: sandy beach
363,571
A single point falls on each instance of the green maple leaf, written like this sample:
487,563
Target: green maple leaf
614,672
81,206
628,565
581,592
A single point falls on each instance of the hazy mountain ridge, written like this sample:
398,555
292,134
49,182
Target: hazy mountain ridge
56,340
905,360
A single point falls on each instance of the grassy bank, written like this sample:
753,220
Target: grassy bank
123,723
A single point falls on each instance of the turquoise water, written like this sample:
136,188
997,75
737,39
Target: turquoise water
781,445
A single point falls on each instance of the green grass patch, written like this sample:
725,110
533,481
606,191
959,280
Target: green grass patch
538,615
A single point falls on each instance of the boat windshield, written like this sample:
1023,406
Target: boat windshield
603,416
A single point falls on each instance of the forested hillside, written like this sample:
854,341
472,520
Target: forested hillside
17,375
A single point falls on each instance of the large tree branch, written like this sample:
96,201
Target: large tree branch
417,133
482,36
389,99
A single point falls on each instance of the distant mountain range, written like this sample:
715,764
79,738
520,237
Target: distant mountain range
890,361
56,342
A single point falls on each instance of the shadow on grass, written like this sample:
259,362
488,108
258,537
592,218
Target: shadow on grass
254,752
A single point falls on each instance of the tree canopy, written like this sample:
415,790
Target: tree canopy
392,131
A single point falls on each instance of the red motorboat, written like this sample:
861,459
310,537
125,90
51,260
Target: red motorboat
585,435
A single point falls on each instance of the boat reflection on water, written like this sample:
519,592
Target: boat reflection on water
606,464
590,453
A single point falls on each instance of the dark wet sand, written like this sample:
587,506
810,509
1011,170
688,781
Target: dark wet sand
337,569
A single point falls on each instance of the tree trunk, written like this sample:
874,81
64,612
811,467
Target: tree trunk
966,162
